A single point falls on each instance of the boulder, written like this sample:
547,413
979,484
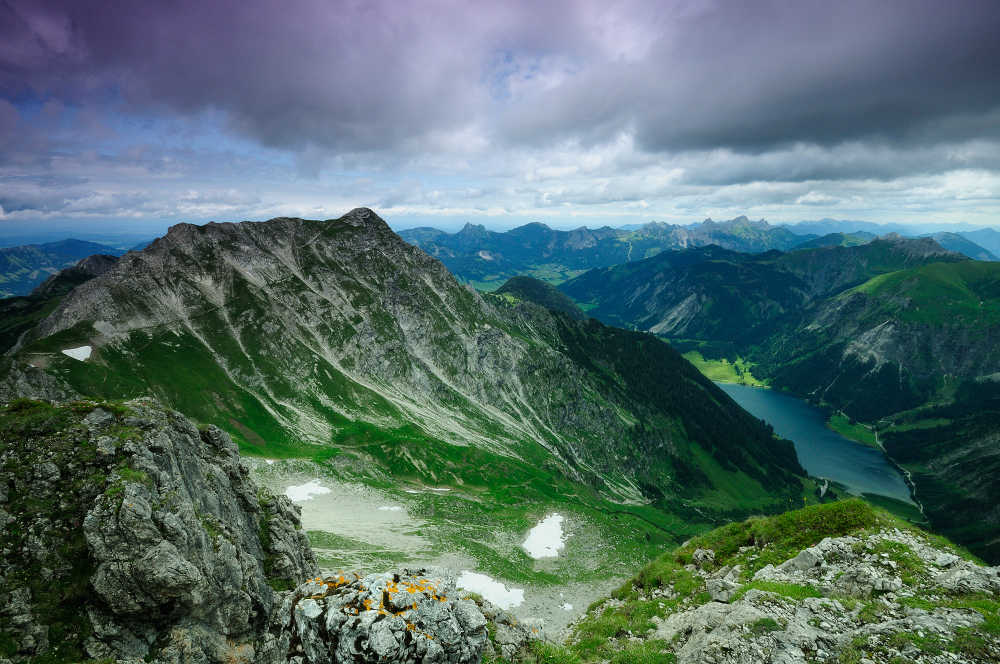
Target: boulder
403,616
703,557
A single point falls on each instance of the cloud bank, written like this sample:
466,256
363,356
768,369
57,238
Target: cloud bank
590,109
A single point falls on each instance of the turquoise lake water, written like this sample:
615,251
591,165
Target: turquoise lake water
822,451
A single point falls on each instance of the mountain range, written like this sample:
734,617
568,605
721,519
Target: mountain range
887,333
337,337
488,258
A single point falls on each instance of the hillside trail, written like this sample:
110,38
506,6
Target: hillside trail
906,474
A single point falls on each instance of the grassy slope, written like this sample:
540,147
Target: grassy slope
752,544
966,293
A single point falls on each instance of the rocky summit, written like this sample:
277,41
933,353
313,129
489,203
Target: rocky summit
293,334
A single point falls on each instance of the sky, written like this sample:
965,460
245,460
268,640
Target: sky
136,115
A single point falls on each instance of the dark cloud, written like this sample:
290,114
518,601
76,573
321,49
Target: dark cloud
353,75
750,76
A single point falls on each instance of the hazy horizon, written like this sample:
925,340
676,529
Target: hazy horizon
123,237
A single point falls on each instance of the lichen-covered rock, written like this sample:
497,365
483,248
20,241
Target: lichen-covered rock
129,534
508,635
405,616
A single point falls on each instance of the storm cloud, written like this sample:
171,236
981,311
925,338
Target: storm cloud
401,97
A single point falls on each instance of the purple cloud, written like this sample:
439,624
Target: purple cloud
374,75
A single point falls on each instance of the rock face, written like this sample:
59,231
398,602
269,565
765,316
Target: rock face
27,381
131,534
405,616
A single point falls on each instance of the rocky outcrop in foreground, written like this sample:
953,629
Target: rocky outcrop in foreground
879,597
839,583
129,534
410,616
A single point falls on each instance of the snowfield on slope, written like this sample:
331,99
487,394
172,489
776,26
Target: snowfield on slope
546,539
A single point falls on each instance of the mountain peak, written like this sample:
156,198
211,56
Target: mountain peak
471,228
362,216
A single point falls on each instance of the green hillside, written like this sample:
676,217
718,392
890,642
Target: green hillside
885,334
528,289
713,294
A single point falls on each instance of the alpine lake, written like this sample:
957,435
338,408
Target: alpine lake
850,466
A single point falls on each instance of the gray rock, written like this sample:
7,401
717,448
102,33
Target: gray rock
807,559
946,560
99,418
410,615
178,544
24,380
182,544
722,590
771,627
703,557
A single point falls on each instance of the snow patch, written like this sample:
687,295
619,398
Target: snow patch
269,462
306,491
566,607
545,539
491,590
82,353
412,491
436,489
390,508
